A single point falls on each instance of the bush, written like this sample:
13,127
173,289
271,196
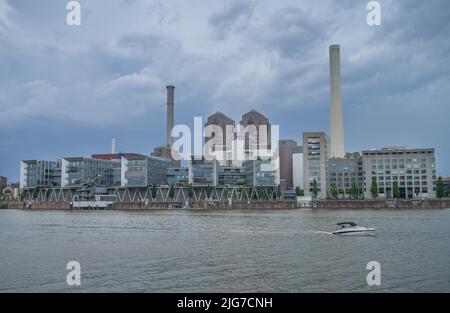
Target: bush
3,205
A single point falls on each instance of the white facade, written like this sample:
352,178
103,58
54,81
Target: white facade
297,170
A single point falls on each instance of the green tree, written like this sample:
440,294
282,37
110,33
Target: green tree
209,191
374,188
315,188
35,193
396,190
440,191
299,192
334,191
154,191
190,191
261,190
279,192
354,192
172,192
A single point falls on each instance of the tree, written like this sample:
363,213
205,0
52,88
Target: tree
315,188
209,191
354,192
190,191
261,192
396,190
374,188
299,192
172,192
154,191
334,191
440,191
279,192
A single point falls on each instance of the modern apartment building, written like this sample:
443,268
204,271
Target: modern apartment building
413,169
40,174
315,162
342,172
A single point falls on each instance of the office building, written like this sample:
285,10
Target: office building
3,182
413,169
177,176
203,172
231,175
261,172
40,174
286,150
144,171
78,171
315,162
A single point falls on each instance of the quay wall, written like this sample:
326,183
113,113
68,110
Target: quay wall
384,204
238,205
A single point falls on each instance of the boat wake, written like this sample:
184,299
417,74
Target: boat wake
323,232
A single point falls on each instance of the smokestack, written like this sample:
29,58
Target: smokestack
170,104
113,145
337,123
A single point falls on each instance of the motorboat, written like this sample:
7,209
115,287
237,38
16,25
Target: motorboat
350,228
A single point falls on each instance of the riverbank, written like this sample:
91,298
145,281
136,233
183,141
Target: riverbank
240,205
206,205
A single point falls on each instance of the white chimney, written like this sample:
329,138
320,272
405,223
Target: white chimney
113,145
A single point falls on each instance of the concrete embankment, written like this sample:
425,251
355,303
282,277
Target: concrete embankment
162,205
384,204
214,205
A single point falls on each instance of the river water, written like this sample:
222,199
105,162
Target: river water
223,251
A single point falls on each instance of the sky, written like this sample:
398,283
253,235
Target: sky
66,90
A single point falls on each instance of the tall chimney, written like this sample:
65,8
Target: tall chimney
170,104
337,123
113,145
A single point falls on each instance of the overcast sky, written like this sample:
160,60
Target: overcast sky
64,91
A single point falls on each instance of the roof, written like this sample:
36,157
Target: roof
345,223
115,156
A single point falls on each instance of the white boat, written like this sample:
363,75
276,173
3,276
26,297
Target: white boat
350,228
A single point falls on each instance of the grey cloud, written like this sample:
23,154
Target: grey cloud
234,16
